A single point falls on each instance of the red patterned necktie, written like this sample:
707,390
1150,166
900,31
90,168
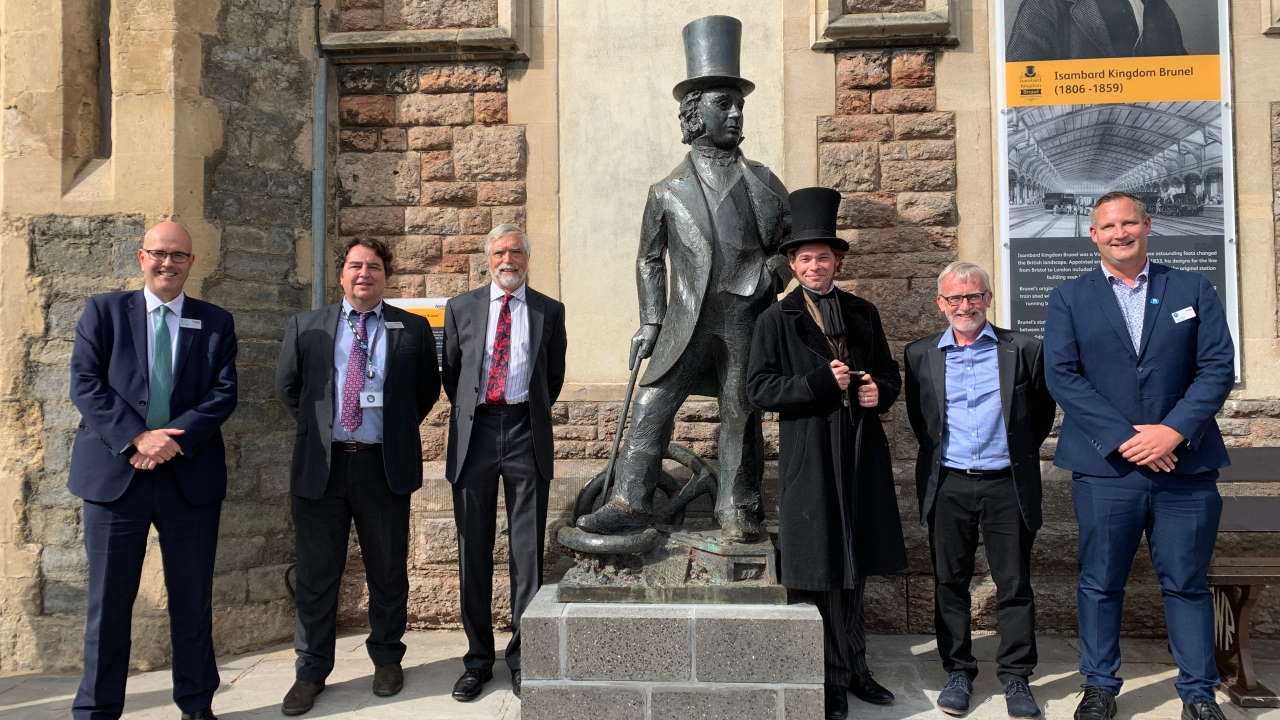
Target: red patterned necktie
497,385
353,383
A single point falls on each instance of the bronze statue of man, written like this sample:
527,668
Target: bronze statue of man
715,223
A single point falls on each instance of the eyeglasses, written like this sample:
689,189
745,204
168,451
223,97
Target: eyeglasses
179,258
973,298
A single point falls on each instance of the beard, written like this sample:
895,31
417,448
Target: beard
509,280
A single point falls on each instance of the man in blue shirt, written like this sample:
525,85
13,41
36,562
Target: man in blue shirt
1140,358
978,404
359,377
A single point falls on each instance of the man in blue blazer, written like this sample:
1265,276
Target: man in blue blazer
153,375
1140,359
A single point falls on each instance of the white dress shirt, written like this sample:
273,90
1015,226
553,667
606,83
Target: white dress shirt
171,319
518,369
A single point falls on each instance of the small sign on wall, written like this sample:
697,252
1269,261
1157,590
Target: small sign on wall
430,308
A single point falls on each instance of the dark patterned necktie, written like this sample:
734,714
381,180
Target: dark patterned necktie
353,383
497,385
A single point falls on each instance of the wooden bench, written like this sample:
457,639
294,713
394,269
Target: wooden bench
1238,582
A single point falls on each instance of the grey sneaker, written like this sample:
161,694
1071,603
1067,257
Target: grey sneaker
954,698
1019,700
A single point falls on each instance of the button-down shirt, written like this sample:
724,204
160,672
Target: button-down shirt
172,319
517,389
1132,300
975,437
370,430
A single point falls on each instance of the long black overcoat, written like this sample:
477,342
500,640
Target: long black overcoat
838,512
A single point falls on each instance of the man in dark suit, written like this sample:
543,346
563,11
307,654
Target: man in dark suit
504,347
1140,359
153,375
359,376
1080,29
715,222
977,401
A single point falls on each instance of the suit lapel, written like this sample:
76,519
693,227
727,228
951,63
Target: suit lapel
186,338
1007,359
1088,17
536,313
393,334
686,192
766,203
807,330
136,311
1152,310
480,321
936,360
1110,308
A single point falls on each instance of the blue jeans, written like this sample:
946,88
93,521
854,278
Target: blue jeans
1179,515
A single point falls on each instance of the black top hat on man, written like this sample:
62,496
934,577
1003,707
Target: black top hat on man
813,219
712,48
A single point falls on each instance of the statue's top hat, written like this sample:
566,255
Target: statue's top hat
813,219
712,46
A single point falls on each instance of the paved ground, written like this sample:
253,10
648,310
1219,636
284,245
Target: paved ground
252,685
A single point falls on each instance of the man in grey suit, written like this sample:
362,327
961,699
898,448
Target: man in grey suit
716,221
504,347
980,408
359,377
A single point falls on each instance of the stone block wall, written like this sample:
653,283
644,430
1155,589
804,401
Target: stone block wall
355,15
258,194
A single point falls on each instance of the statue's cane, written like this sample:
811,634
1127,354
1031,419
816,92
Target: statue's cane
622,422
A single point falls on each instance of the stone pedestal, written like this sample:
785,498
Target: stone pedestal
625,661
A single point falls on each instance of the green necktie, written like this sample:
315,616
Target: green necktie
161,375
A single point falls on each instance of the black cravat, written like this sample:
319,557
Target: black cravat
832,318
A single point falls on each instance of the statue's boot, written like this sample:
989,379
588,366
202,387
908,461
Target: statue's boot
739,525
614,518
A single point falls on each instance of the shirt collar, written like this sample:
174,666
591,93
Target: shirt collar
948,338
153,302
347,308
496,293
1112,278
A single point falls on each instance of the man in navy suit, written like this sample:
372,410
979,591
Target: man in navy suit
153,375
1140,359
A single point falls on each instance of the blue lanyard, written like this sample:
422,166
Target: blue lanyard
365,345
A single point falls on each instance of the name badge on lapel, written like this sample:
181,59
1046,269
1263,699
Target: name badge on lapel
1185,313
192,323
369,399
395,325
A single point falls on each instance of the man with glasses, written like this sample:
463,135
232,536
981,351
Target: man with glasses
979,407
153,374
359,376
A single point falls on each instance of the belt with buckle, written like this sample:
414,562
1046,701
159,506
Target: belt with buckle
351,446
979,474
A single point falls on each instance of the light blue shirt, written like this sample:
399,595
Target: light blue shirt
1132,301
370,430
975,437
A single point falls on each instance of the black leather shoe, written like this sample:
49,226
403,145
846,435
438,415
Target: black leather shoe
470,684
836,703
200,715
388,679
865,688
1097,704
300,697
1202,710
515,682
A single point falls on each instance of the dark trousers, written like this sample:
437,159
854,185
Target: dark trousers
966,507
844,639
1179,515
501,446
115,540
357,491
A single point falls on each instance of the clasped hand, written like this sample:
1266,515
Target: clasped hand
155,447
1152,447
868,393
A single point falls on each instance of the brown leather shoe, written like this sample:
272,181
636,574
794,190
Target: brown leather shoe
387,679
300,697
